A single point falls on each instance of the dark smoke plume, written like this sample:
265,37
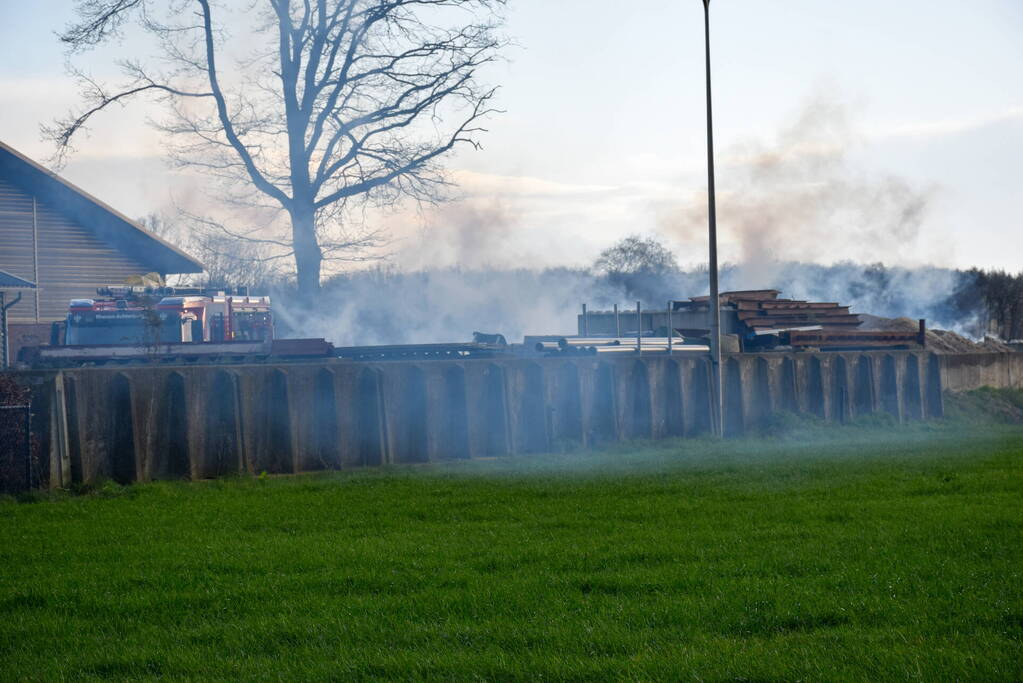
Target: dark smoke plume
801,198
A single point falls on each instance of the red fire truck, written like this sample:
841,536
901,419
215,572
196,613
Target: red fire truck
167,315
133,325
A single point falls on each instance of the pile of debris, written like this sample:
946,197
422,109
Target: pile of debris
759,320
763,312
763,321
939,341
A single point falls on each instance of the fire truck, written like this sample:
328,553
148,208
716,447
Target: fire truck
176,325
167,315
165,324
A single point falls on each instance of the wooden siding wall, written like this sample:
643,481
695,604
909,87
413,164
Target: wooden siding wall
72,262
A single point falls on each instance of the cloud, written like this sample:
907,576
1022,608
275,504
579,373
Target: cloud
932,129
510,221
119,133
487,184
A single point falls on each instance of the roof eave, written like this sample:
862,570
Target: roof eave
106,222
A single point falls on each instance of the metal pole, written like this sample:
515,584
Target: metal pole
713,302
639,328
3,333
670,331
618,324
586,323
5,356
5,353
35,253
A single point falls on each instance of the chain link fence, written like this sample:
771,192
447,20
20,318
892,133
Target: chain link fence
19,452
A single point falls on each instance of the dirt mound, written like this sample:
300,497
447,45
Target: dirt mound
943,341
939,341
876,322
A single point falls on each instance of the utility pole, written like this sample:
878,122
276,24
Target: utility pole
717,417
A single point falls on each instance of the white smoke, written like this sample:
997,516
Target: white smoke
382,306
796,213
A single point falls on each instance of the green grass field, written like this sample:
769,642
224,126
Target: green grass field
857,554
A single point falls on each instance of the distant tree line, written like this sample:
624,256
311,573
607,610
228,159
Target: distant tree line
997,296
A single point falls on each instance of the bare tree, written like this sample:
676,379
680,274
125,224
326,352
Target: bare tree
230,263
635,255
642,267
336,105
159,225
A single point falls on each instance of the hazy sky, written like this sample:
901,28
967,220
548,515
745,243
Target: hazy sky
870,130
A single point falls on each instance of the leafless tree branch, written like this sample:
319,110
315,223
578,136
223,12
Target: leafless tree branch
336,102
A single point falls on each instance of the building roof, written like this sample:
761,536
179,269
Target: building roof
105,222
8,281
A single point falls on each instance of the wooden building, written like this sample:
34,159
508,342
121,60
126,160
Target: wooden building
68,243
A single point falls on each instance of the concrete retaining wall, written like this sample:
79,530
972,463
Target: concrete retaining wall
967,371
148,423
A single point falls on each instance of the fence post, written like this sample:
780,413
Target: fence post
28,448
60,452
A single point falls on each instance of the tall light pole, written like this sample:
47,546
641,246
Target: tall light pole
717,417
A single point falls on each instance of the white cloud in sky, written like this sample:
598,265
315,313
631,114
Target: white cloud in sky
939,128
475,183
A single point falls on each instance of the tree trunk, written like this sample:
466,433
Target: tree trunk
308,256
